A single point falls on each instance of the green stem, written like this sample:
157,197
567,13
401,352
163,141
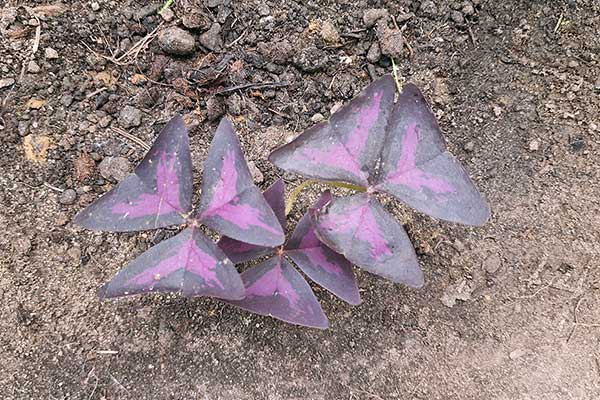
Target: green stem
166,5
294,195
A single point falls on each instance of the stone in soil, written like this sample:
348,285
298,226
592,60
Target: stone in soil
115,168
67,197
211,39
214,108
50,53
6,82
329,33
33,67
374,53
176,41
130,117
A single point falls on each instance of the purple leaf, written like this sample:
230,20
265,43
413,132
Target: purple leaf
359,228
230,203
239,252
276,289
155,195
347,148
324,266
188,263
417,168
394,148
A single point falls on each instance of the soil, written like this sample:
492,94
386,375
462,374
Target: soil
510,310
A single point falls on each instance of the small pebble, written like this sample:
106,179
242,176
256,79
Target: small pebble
457,17
263,10
211,39
492,264
329,33
95,6
33,68
176,41
50,53
130,117
22,245
428,9
168,15
468,9
573,64
469,146
115,168
67,197
6,82
534,145
374,53
318,117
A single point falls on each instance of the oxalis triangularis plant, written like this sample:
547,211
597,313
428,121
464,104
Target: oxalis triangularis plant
383,141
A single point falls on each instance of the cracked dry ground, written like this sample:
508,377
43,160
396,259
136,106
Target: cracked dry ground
509,311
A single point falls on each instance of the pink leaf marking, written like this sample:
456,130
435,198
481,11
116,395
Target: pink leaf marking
272,283
189,257
345,156
164,201
365,229
225,196
311,246
317,256
357,139
407,173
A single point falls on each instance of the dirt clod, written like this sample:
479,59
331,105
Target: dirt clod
372,15
391,41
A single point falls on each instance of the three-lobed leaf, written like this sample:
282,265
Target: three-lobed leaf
383,146
159,194
273,289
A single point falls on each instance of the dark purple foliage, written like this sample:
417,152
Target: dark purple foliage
159,194
383,146
274,287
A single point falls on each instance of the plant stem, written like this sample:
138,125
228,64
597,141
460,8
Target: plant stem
294,195
166,5
395,74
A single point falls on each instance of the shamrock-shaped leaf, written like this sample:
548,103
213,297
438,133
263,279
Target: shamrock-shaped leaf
159,193
383,146
274,287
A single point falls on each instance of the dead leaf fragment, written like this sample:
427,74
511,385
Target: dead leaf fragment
35,104
36,148
84,166
138,79
106,78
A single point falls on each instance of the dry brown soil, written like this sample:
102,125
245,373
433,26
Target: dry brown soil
509,311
